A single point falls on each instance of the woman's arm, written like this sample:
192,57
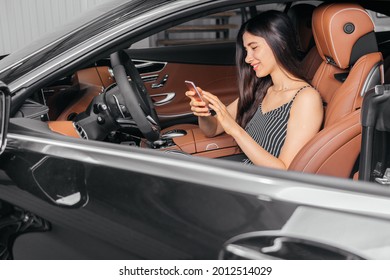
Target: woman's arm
216,128
305,121
207,123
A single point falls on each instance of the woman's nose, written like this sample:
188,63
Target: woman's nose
248,58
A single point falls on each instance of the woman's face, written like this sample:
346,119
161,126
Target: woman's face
259,55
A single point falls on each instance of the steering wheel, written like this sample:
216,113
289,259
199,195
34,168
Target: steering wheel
136,98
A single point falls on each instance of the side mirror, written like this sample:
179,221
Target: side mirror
5,104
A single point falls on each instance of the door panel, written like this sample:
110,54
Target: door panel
209,66
164,71
220,80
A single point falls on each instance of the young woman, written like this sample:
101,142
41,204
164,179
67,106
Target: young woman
277,111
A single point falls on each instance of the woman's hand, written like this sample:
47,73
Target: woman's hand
223,116
198,106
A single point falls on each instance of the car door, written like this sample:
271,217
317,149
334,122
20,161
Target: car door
68,198
64,198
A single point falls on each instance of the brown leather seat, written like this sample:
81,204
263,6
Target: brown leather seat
344,35
301,17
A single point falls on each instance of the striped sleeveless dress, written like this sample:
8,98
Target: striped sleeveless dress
269,130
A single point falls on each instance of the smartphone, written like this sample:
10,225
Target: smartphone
192,87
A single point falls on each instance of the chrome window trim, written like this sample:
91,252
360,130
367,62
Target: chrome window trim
3,123
374,77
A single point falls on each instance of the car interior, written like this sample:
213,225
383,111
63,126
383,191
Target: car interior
343,61
335,149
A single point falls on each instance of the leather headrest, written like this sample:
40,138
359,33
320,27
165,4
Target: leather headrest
300,16
343,32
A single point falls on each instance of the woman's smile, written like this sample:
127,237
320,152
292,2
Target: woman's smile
255,66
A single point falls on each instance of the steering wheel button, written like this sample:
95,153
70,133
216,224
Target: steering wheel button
100,120
102,107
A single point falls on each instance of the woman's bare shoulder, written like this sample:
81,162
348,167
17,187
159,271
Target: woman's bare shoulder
308,94
307,100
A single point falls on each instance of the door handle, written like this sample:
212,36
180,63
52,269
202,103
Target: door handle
246,253
161,83
271,245
168,98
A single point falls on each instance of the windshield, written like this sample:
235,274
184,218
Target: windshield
86,26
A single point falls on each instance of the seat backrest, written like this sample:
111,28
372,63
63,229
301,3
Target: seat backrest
301,17
345,38
344,35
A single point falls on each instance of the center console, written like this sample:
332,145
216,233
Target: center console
194,142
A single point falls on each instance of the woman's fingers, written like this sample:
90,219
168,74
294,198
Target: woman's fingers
218,110
190,94
211,98
202,108
215,103
200,112
195,102
198,107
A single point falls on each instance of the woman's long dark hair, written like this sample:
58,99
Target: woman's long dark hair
276,28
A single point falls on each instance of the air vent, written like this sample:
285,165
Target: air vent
81,131
71,116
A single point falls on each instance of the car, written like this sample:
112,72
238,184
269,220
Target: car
101,157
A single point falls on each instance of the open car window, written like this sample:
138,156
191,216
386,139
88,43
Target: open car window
219,27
